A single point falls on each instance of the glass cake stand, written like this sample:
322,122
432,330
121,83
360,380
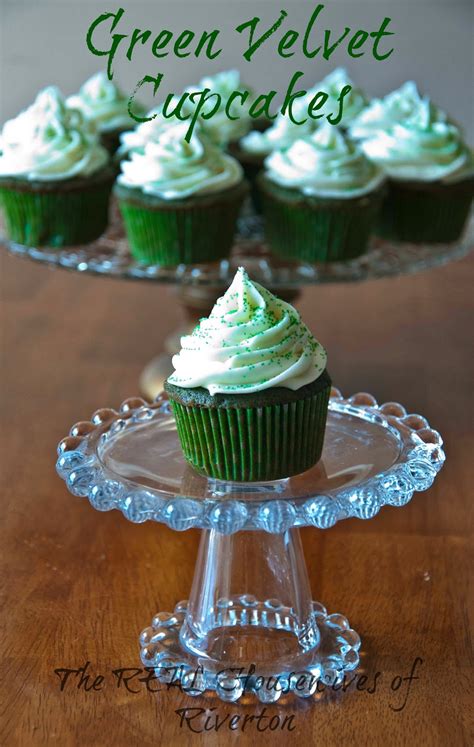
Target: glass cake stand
200,285
110,256
250,625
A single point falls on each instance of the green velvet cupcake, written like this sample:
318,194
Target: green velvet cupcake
55,177
180,201
321,197
250,389
430,176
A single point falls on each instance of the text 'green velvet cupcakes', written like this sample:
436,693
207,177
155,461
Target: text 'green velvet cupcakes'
321,196
250,390
180,201
55,177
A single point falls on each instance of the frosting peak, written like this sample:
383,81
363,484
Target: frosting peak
382,114
102,103
333,84
282,133
251,341
50,141
424,146
325,164
169,167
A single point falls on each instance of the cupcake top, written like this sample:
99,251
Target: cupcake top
137,138
171,168
325,164
424,147
250,342
281,134
102,103
219,128
353,103
49,141
382,114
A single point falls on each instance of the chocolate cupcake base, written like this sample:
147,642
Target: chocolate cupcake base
316,229
268,435
171,232
423,212
56,213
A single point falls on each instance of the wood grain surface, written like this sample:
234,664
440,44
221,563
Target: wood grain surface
78,586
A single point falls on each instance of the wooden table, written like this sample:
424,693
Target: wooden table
77,586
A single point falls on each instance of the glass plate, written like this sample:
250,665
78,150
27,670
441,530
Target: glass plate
110,256
131,460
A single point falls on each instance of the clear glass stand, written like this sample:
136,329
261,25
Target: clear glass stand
250,625
232,641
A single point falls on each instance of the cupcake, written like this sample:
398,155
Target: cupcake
105,106
252,149
250,389
55,177
180,200
320,198
430,174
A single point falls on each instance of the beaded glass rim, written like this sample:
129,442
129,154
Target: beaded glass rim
109,256
420,458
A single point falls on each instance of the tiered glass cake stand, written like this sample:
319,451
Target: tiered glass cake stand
200,285
250,626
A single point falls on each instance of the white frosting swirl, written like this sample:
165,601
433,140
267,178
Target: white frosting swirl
382,114
353,102
326,164
422,148
280,135
102,103
219,128
48,141
171,168
250,342
137,138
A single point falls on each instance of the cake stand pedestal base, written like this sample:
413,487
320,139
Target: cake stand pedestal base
267,643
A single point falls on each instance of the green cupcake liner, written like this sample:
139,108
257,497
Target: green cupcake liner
425,213
199,229
54,215
248,444
313,229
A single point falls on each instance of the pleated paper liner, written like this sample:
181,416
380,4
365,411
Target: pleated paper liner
56,214
421,212
170,232
268,440
314,229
